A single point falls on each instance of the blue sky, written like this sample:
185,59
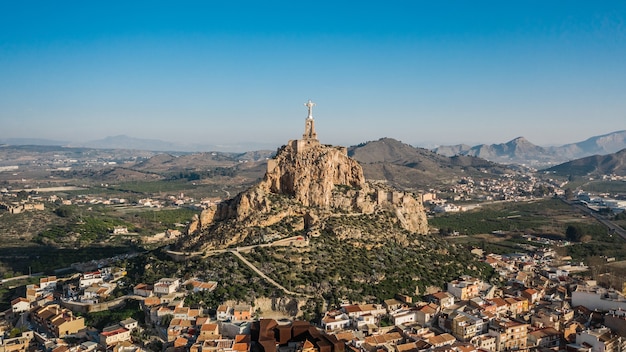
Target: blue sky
233,72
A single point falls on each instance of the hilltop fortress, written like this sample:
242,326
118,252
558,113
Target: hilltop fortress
306,183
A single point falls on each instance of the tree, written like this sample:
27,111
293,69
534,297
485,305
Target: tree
573,233
22,195
569,194
165,321
63,211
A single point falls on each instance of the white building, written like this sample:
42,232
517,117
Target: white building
598,298
335,320
129,324
166,286
224,313
403,317
447,208
113,334
602,339
20,305
88,279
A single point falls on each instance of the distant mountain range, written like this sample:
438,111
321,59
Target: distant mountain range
131,143
521,151
32,141
126,142
517,151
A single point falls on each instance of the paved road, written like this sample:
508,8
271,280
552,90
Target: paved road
284,241
609,224
21,277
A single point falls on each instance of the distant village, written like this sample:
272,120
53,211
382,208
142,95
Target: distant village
465,195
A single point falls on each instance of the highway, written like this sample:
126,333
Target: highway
609,224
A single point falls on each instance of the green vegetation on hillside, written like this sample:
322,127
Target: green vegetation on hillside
155,187
235,280
367,268
548,216
88,230
105,318
198,175
168,218
46,259
605,187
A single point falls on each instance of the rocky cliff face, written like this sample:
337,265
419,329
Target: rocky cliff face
304,185
310,175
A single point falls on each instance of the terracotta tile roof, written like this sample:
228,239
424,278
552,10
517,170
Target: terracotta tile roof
545,332
180,342
407,347
114,332
242,338
352,309
152,301
375,340
307,344
441,339
18,300
428,309
498,301
242,346
345,336
181,310
209,327
441,295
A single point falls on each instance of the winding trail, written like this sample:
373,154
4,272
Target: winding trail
267,278
237,253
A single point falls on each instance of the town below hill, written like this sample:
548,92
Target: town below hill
533,301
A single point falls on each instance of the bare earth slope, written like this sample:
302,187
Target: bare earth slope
407,167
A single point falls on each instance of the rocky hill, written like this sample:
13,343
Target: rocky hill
600,145
596,165
521,151
407,167
305,186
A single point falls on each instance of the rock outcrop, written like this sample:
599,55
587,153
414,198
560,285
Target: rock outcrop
305,183
310,175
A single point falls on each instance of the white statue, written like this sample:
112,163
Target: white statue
310,105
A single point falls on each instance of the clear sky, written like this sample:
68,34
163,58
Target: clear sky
228,72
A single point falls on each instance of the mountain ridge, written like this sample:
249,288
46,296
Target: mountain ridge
521,151
595,165
408,167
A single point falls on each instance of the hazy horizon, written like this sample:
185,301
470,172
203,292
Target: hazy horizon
234,73
242,146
